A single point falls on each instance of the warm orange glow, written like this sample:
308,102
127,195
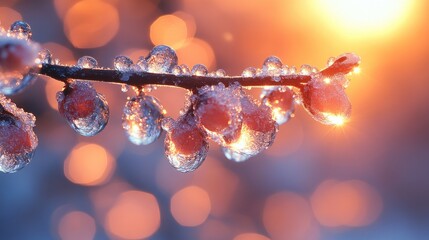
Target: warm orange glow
348,203
135,215
8,16
190,206
335,119
51,89
169,30
76,225
366,15
91,24
197,51
250,236
287,215
89,164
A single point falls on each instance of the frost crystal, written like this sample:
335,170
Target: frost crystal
141,119
249,72
85,110
17,139
272,66
161,59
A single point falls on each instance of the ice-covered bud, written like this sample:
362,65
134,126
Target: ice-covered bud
185,144
17,138
218,111
257,133
85,110
326,100
345,63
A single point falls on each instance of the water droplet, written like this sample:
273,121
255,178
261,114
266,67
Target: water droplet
141,119
177,70
125,88
199,70
85,110
161,59
305,69
220,73
142,63
185,69
292,70
17,138
272,66
285,70
87,62
122,63
314,70
21,29
249,72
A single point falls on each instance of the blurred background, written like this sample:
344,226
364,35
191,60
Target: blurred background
366,180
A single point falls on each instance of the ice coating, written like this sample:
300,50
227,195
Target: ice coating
85,110
161,59
199,70
17,138
185,69
141,119
220,73
218,111
14,83
87,62
281,101
177,70
21,29
326,101
122,63
185,145
258,130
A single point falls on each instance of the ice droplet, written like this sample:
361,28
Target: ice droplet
249,72
17,139
21,29
185,146
285,70
141,119
199,70
292,70
161,59
44,57
272,66
85,110
185,69
87,62
220,73
122,63
305,69
142,63
177,70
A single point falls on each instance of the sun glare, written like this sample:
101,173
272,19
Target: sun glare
367,15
